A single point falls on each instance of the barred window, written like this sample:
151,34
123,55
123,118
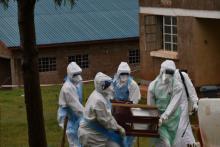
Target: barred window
169,33
47,64
82,60
134,56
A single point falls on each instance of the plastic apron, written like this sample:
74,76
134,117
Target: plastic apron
168,128
73,119
122,94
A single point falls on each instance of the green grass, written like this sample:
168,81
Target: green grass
13,122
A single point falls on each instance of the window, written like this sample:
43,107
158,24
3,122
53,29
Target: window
81,60
169,33
134,56
47,64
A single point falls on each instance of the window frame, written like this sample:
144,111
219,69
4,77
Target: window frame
47,64
81,59
135,57
172,43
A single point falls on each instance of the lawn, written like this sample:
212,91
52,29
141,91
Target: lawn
13,123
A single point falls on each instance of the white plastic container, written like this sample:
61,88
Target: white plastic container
209,121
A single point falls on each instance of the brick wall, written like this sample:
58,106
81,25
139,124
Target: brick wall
207,54
4,51
103,57
185,4
151,65
198,50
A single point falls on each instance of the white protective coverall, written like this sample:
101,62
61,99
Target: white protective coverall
166,92
126,89
98,110
182,139
70,99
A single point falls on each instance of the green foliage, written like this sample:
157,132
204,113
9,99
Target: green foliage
13,121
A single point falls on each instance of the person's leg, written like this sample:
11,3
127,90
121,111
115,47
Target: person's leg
162,143
90,139
130,141
72,139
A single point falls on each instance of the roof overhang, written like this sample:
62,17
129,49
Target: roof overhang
180,12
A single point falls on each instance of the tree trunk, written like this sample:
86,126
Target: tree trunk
33,100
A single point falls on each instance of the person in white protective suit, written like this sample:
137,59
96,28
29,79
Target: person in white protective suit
98,126
188,104
126,89
70,103
166,92
184,135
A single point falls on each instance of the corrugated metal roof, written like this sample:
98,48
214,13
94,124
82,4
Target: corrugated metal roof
88,20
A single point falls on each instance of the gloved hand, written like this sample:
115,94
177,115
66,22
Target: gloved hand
195,107
163,118
121,130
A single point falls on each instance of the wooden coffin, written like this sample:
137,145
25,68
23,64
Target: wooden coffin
136,119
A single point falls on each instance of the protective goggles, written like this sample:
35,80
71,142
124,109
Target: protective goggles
106,84
124,74
169,71
76,74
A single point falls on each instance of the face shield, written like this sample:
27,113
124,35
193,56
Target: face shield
167,75
77,78
102,82
74,72
108,89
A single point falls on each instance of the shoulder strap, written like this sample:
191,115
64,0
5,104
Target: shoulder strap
184,83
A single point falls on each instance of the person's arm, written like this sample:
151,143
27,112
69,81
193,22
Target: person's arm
104,117
134,92
72,100
175,100
192,92
150,94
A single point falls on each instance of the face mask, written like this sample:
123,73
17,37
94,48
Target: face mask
77,78
123,78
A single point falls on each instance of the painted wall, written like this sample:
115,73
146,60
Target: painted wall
207,51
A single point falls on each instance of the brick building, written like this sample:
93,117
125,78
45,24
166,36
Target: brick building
186,31
97,34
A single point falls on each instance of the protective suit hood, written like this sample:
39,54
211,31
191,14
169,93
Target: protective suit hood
73,69
99,81
167,70
167,64
123,68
